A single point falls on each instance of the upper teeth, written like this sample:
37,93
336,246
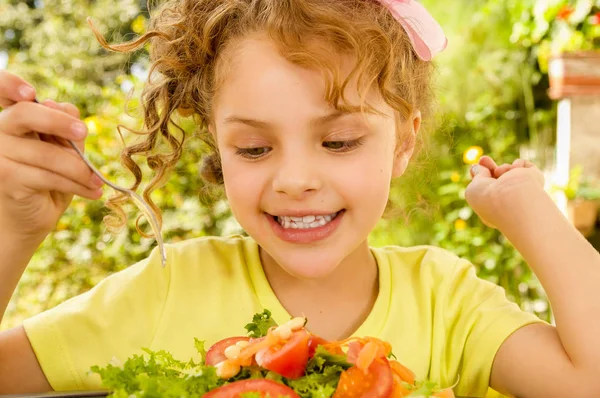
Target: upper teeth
304,222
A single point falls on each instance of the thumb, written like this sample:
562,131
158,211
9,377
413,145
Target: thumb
478,171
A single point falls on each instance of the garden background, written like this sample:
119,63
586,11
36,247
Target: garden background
492,89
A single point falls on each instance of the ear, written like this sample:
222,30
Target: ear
405,148
185,112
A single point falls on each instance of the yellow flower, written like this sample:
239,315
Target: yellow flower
460,224
472,155
92,123
455,177
139,24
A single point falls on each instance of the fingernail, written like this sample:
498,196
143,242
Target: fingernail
79,129
98,193
51,103
475,169
96,181
27,92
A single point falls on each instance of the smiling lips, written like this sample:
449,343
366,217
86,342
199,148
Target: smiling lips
305,222
306,228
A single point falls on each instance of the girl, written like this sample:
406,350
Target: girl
312,107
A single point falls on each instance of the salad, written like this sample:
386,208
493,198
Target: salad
271,361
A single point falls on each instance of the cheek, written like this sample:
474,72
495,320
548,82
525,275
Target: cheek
370,176
243,185
235,182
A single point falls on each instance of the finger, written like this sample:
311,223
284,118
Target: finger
43,180
479,171
49,157
14,89
70,109
500,170
518,163
73,111
488,162
25,117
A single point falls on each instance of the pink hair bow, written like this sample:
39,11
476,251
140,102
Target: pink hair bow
425,33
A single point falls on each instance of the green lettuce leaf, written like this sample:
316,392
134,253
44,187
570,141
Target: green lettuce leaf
323,373
158,374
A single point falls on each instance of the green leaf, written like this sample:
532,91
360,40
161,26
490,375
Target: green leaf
260,325
201,350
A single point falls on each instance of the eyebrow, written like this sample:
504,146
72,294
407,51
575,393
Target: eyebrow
261,124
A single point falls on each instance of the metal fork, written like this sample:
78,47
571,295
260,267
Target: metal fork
141,204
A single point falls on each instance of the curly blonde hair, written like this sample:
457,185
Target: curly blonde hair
189,43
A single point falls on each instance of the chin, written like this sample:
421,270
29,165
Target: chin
309,265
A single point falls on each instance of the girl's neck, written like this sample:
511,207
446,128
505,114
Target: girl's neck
335,305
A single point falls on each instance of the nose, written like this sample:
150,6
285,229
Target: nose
296,175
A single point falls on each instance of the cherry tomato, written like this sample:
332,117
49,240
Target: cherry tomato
376,383
266,388
216,353
288,358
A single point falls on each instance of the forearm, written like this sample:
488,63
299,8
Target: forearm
15,254
568,268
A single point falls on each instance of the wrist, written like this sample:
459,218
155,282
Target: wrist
526,211
14,241
11,234
523,205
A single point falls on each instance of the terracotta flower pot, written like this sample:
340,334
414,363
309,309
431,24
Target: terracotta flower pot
574,73
583,215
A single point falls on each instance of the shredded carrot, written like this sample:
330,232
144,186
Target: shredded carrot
399,390
255,346
403,372
447,393
367,355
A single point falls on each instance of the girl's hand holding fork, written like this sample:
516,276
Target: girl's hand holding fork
39,171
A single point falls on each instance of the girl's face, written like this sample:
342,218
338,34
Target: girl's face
306,182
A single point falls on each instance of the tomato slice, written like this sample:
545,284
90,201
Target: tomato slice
216,353
287,359
376,383
313,343
266,388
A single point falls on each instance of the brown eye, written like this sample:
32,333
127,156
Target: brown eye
253,153
343,146
334,144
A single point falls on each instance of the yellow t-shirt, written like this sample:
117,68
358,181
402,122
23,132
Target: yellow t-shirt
442,321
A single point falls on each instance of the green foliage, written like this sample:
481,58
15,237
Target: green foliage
580,187
550,27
